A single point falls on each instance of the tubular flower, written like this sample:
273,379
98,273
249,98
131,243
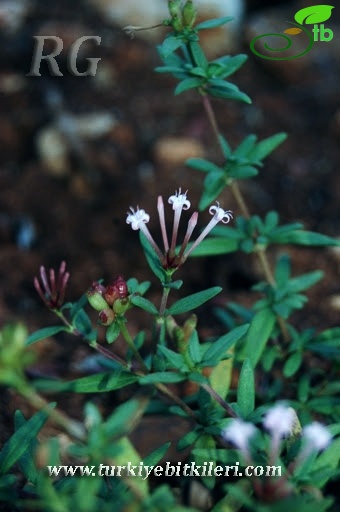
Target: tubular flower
53,289
239,433
169,259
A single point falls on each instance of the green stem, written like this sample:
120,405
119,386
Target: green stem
72,427
219,399
129,341
261,255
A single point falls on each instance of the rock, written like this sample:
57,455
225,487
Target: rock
170,151
53,151
12,14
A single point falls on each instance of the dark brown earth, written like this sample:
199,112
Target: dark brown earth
79,214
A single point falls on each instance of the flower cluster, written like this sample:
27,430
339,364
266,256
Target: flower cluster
109,300
279,421
169,259
53,289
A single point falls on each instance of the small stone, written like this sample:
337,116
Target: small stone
170,151
53,151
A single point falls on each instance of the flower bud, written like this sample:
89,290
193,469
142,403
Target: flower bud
189,14
120,306
111,294
174,7
106,316
96,299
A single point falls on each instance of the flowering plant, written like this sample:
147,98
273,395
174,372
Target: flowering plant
291,425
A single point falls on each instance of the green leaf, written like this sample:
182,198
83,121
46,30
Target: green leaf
154,457
228,93
203,165
314,14
218,348
246,389
213,23
26,461
214,246
267,146
169,45
193,301
145,304
112,332
166,377
245,146
292,364
152,258
176,360
225,146
186,84
261,327
230,63
21,440
303,238
214,183
298,284
44,333
197,55
194,348
98,383
243,172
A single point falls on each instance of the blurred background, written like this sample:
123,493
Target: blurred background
76,152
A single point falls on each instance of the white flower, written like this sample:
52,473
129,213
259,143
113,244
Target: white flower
179,200
279,420
137,218
220,214
316,436
238,433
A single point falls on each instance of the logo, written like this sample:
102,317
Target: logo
314,15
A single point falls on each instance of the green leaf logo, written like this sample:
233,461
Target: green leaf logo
314,14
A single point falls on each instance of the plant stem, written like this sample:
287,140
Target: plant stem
72,427
260,253
129,341
219,399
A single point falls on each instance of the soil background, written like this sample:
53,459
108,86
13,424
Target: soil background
72,206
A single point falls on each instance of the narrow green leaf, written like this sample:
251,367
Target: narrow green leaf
298,284
176,360
169,45
214,246
145,304
261,327
267,146
225,146
231,63
44,333
98,383
243,172
26,461
152,258
245,147
166,377
213,23
203,165
218,348
228,93
292,364
154,457
304,238
246,389
21,440
193,301
186,84
194,348
197,55
112,332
